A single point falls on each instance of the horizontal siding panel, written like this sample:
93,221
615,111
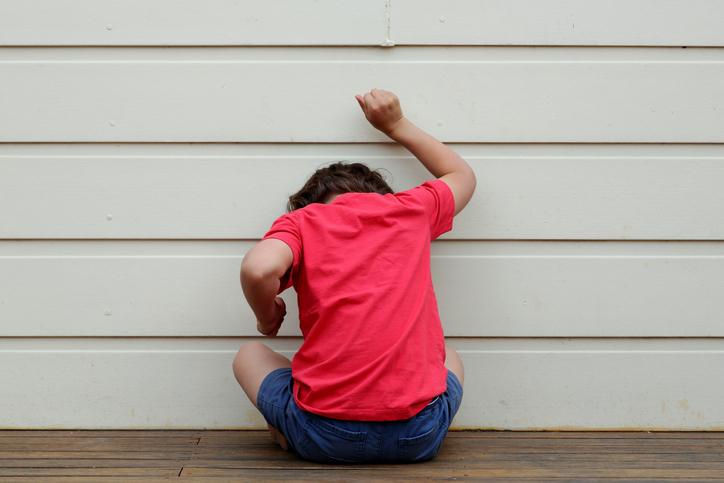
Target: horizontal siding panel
424,22
586,197
591,390
123,296
591,296
567,290
558,22
520,388
471,95
192,22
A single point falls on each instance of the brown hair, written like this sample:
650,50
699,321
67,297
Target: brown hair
339,177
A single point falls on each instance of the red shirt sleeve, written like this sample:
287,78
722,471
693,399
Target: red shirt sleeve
286,230
438,199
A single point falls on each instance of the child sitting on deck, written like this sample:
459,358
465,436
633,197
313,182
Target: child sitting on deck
373,380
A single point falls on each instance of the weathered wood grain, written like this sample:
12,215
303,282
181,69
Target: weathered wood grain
472,456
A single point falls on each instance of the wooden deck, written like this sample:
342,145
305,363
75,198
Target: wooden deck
240,456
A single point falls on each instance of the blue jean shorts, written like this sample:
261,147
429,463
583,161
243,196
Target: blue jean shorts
326,440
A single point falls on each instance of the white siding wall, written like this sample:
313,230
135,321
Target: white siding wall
146,146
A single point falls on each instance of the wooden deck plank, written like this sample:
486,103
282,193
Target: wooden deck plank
233,438
104,433
357,474
598,435
459,440
90,445
230,455
86,479
445,460
139,454
295,477
239,456
86,462
94,472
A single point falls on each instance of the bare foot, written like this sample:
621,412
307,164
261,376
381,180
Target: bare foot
278,437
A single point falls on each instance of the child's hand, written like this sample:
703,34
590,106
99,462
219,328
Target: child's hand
271,328
382,109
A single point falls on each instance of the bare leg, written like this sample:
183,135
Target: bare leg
454,364
252,364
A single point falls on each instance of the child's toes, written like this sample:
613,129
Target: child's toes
278,437
282,441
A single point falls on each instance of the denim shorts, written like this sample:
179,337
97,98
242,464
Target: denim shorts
326,440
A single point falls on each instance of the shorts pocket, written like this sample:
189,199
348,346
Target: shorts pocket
429,433
324,442
420,448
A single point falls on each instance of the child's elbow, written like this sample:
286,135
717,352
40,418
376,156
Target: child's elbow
253,271
473,181
270,259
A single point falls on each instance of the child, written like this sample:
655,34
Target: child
373,380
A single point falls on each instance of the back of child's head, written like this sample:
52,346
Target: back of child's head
338,178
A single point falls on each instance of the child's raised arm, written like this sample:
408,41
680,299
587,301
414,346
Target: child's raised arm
382,109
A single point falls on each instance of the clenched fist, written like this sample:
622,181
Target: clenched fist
382,109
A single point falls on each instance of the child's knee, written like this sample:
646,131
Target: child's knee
454,363
247,354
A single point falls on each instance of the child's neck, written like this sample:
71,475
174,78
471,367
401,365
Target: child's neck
331,197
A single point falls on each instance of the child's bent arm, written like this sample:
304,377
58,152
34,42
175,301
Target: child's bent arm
383,111
441,161
261,270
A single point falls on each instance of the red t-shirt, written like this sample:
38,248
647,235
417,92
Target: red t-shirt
373,345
